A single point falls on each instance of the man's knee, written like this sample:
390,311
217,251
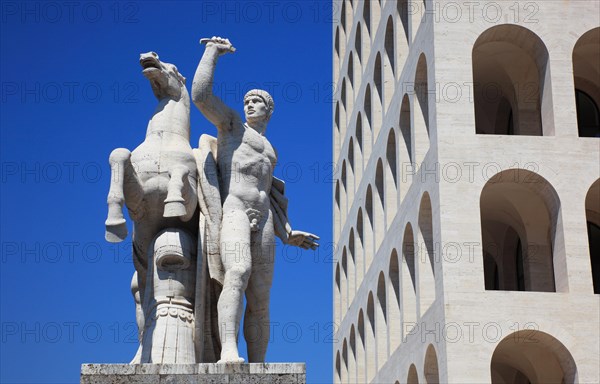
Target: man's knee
237,277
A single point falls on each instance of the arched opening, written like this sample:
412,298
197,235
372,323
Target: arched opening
348,95
336,131
344,367
511,76
350,73
391,180
413,376
344,193
421,110
405,147
378,99
351,269
359,248
336,57
379,204
352,358
409,282
531,356
371,344
343,15
592,211
426,278
358,43
338,294
367,16
350,173
394,315
344,282
361,354
381,327
586,73
369,122
521,228
337,211
402,10
358,149
369,228
366,232
389,69
338,368
430,369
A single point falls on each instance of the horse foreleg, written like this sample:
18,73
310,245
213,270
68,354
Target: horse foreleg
116,229
174,203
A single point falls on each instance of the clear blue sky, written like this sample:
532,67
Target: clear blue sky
71,91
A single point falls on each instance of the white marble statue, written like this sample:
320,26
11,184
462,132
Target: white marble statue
158,184
244,208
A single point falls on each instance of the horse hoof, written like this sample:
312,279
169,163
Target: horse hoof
174,209
116,230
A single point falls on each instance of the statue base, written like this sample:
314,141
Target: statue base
207,373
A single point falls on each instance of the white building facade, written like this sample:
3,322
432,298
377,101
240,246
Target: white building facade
467,195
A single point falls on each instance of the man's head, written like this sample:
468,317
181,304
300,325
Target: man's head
258,106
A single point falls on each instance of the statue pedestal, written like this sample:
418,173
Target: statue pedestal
207,373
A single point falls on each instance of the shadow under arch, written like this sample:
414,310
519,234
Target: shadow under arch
531,356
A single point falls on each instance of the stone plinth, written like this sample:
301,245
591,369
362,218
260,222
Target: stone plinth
263,373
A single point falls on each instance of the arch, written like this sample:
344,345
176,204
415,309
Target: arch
343,15
350,72
352,358
408,282
369,230
359,248
512,62
338,368
366,235
361,349
377,101
358,43
532,356
379,221
421,110
367,16
405,147
592,213
336,131
381,322
336,57
430,368
521,226
426,271
389,68
371,343
413,376
351,268
586,74
358,149
348,94
343,193
350,173
391,179
369,122
344,283
344,367
402,12
337,211
394,315
338,294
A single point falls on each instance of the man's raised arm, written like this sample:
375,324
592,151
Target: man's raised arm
210,105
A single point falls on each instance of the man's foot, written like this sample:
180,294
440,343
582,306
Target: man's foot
230,357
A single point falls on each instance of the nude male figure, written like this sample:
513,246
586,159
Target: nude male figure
246,160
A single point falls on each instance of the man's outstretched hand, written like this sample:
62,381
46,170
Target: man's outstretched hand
223,45
303,240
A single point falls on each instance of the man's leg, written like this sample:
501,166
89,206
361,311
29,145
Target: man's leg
256,321
237,263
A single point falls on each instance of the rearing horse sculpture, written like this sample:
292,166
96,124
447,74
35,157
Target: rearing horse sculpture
157,182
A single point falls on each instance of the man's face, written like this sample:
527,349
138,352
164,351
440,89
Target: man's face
255,108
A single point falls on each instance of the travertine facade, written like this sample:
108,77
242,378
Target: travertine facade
467,185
